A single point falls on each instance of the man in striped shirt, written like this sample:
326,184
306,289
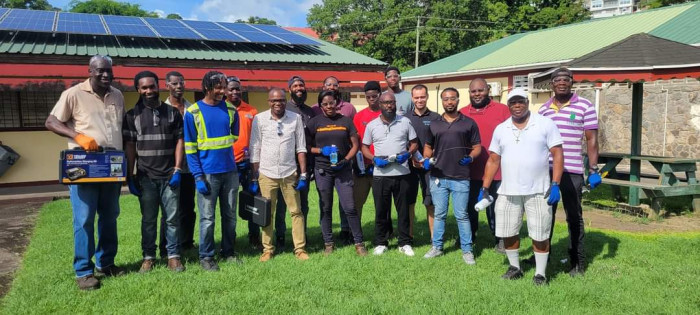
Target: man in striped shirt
575,117
153,140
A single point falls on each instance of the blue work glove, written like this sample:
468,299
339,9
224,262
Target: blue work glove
301,185
482,192
379,162
594,180
175,180
253,187
133,187
340,165
553,194
403,157
327,150
202,185
242,165
426,164
465,160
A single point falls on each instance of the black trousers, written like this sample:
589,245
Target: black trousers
186,213
342,181
474,188
383,189
571,190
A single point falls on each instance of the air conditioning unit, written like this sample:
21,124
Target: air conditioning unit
494,88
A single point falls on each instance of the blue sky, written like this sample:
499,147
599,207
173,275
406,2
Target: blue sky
285,12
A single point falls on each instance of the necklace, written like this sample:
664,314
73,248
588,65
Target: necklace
517,136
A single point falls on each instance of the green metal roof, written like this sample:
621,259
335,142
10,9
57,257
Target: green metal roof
128,47
571,41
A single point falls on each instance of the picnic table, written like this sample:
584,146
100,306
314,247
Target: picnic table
668,185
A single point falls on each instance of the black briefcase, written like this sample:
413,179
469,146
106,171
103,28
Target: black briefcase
254,208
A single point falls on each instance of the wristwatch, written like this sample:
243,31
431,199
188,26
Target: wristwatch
593,169
302,176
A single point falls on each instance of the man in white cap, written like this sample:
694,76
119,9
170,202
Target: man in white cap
521,146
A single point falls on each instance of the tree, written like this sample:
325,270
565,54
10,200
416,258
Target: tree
27,4
109,7
386,29
174,16
652,4
257,20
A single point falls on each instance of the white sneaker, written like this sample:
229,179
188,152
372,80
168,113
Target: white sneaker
381,249
407,250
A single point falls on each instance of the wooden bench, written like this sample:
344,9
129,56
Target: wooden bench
656,192
668,185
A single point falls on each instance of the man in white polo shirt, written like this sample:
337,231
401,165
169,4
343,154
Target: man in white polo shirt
521,147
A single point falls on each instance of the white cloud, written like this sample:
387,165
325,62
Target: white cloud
284,12
160,13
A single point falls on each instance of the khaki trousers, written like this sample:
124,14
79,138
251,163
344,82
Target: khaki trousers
268,189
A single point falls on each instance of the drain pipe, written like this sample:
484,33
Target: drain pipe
663,152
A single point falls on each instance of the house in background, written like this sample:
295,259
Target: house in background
37,65
517,60
608,8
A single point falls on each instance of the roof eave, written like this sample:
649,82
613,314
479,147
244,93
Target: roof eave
484,71
691,65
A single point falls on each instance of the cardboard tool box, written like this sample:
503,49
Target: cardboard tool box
254,208
81,167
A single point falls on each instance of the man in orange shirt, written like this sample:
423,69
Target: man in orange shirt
240,147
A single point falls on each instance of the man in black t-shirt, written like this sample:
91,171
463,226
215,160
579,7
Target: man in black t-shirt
153,139
454,143
334,143
421,117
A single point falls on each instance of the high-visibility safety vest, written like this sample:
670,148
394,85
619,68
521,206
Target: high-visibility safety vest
204,142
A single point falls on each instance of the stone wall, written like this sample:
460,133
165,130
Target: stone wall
670,121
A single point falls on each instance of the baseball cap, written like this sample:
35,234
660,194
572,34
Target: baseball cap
517,92
294,78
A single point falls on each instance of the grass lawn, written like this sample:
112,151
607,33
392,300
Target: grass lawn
627,273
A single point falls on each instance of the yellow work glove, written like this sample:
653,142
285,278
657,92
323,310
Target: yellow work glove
86,142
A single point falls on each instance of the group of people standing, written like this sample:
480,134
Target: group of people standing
178,151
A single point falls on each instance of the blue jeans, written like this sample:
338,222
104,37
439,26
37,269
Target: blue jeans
440,193
222,187
88,200
156,194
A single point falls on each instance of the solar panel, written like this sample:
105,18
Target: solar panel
28,20
291,37
213,31
128,26
93,24
172,29
80,23
251,34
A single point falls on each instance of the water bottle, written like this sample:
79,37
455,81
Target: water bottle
484,203
360,162
334,156
246,154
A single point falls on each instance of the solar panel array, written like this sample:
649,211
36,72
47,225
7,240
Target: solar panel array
95,24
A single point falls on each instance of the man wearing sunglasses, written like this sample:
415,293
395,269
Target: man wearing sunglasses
576,118
211,127
404,102
277,142
152,133
487,114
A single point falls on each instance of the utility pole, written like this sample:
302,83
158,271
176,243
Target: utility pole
417,39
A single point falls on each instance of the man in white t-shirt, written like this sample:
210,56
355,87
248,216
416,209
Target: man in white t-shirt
521,147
